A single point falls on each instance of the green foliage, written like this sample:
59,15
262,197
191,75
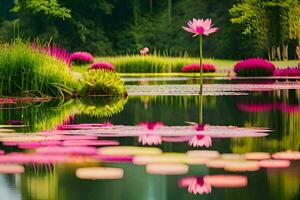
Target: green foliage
270,22
24,71
46,7
102,82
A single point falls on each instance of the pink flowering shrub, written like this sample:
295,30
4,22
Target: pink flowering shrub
54,51
196,68
254,67
289,71
81,58
103,65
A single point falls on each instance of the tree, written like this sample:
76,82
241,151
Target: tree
272,23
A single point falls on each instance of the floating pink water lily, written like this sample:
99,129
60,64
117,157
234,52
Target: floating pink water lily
150,139
91,143
200,141
196,185
81,150
200,27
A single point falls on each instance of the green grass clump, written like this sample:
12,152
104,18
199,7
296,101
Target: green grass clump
25,71
102,82
164,64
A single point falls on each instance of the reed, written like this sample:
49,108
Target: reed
26,71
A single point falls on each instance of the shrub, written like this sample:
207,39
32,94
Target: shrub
289,71
81,58
196,68
103,65
254,67
102,82
26,70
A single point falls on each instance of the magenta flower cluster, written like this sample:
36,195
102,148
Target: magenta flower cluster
196,68
289,71
254,67
58,53
81,57
103,65
55,51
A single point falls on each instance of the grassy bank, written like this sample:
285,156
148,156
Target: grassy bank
162,64
29,71
26,71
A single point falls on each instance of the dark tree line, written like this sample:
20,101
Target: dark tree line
113,27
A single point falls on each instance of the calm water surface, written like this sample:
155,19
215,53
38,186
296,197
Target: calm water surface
278,110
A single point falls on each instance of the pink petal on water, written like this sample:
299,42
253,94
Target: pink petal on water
11,169
91,143
287,155
257,156
274,163
226,181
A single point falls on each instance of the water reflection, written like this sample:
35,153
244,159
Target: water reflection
51,158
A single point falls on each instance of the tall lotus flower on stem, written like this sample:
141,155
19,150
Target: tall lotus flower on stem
200,27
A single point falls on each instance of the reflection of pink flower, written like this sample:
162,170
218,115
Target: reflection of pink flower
196,185
289,108
200,141
7,100
259,107
151,125
150,139
200,27
144,51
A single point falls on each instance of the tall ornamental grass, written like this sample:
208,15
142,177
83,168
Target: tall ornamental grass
149,63
26,71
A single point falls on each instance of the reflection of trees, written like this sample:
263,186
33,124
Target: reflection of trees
39,183
285,124
48,115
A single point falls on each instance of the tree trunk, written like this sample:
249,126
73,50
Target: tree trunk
278,53
285,55
298,52
273,53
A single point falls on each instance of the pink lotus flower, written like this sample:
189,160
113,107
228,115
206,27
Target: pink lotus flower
150,139
196,68
200,27
200,141
103,65
196,185
144,51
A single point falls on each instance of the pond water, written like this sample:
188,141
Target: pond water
51,148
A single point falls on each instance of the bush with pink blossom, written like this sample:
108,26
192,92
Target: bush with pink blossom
81,58
103,65
196,68
254,67
289,71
